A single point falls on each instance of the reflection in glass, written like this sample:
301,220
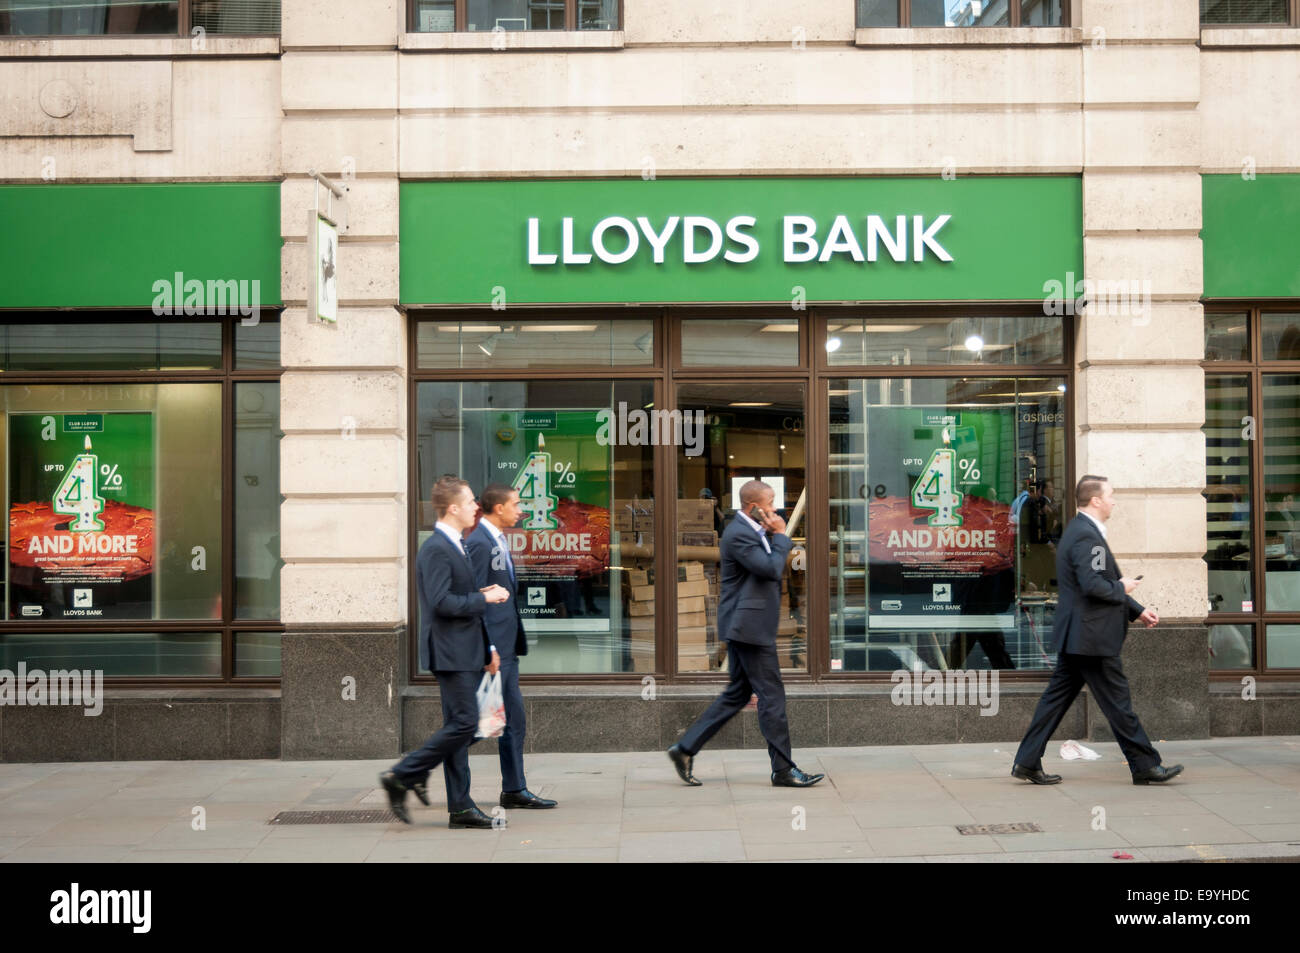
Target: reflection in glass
87,17
877,13
582,576
547,343
1226,338
960,13
434,16
515,14
1040,12
257,500
257,345
1227,493
113,346
753,431
178,654
1244,11
1232,646
597,14
257,654
946,505
901,341
1283,646
740,342
1281,487
1280,337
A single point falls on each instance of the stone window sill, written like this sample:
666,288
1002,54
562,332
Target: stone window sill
153,47
968,36
532,40
1217,38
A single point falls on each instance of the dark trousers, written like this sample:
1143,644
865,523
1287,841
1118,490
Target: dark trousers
449,745
755,670
510,745
1104,676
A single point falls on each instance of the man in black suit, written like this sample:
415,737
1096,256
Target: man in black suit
752,566
1088,633
489,551
454,646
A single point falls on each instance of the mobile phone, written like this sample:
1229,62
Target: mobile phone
1139,578
760,515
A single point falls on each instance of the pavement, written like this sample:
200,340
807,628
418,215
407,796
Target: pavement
1239,799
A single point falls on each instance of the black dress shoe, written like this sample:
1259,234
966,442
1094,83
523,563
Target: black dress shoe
1157,775
525,798
1037,775
421,791
794,778
683,762
396,796
471,817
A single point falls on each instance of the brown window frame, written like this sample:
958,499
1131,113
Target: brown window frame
1013,18
227,376
666,371
1254,369
462,19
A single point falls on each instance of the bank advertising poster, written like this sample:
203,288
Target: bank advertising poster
560,548
941,539
81,516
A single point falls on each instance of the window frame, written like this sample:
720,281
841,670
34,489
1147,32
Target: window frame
462,19
1254,369
227,376
1013,19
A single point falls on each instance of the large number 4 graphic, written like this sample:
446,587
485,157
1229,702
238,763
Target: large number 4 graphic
78,495
934,489
534,485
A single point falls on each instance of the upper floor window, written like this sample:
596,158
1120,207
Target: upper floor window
1249,12
446,16
932,13
138,17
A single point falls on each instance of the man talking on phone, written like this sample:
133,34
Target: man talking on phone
752,565
1088,632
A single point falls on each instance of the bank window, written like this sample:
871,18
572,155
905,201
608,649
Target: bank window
740,342
961,13
139,17
973,339
142,484
1248,12
568,340
477,16
1252,389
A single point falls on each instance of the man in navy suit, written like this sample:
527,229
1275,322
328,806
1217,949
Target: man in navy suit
454,646
489,551
1088,632
752,566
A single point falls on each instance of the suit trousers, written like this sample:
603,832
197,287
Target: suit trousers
1104,676
510,745
755,670
449,745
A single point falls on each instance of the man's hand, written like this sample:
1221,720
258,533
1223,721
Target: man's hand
774,523
1150,617
495,665
495,593
1130,584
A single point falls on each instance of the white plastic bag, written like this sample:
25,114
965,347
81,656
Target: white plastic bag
1073,751
491,707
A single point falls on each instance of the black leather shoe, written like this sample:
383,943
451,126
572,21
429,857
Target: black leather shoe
683,762
1157,775
421,791
396,791
525,798
1037,775
794,778
471,817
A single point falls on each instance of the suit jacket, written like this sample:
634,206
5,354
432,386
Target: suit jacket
751,584
452,636
504,626
1093,611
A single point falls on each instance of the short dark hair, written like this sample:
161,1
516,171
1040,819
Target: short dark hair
1089,486
753,491
445,493
493,495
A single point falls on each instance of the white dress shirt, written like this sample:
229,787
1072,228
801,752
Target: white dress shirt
757,528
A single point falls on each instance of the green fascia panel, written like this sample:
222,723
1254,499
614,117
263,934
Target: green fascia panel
104,246
468,242
1250,236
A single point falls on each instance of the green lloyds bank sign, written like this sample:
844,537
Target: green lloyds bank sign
738,240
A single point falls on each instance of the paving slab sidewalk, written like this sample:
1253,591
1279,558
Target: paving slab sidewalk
1239,799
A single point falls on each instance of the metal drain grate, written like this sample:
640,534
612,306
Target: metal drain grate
333,817
1020,827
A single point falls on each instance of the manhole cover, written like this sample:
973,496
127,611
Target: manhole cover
1020,827
333,817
